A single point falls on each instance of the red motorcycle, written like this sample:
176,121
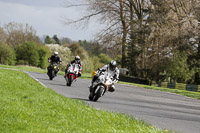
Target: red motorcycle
71,74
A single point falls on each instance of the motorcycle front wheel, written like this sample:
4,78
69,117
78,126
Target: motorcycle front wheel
98,93
52,75
69,82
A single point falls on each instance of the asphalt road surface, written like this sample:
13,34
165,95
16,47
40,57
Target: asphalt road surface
161,109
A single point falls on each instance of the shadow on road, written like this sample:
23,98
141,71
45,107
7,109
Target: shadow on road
82,99
58,84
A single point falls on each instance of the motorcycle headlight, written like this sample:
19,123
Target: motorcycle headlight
108,82
54,67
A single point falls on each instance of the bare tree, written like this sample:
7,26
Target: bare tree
3,36
112,13
19,33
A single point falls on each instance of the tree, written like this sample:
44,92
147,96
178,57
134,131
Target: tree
112,13
28,53
44,53
65,40
19,33
151,34
48,40
78,50
7,55
3,36
178,68
56,40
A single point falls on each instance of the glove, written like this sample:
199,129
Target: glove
115,80
79,74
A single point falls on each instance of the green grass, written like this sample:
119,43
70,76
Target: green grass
26,106
39,70
192,94
25,68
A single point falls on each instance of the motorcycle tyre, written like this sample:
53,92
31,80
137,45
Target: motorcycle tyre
70,81
98,93
51,75
91,97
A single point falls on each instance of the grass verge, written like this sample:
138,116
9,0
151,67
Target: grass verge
27,106
192,94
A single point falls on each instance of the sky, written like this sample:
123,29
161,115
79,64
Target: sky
47,18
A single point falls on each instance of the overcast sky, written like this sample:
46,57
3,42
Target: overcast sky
46,17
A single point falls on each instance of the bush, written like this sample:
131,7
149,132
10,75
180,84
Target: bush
7,55
28,52
105,59
22,62
88,66
64,54
44,53
76,49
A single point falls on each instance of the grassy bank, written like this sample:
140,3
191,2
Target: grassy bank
27,106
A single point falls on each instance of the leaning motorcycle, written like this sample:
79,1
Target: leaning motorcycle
52,70
71,74
101,85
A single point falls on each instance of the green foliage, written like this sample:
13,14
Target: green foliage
87,65
56,40
105,59
7,55
178,68
93,48
96,63
78,50
44,52
48,40
28,51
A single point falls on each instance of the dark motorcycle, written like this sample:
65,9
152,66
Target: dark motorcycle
52,70
71,74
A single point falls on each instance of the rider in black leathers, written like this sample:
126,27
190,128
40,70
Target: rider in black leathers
54,58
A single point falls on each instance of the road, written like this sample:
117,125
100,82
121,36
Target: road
161,109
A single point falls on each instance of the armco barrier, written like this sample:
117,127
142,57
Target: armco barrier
180,86
191,87
130,79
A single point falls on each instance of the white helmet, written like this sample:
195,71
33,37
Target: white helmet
55,53
77,58
113,65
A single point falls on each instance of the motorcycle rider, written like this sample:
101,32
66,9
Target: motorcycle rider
110,68
75,61
54,59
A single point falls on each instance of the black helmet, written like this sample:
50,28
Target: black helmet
113,65
77,58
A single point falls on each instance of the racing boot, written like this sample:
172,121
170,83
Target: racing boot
112,88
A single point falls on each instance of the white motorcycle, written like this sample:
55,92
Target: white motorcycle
72,74
102,85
